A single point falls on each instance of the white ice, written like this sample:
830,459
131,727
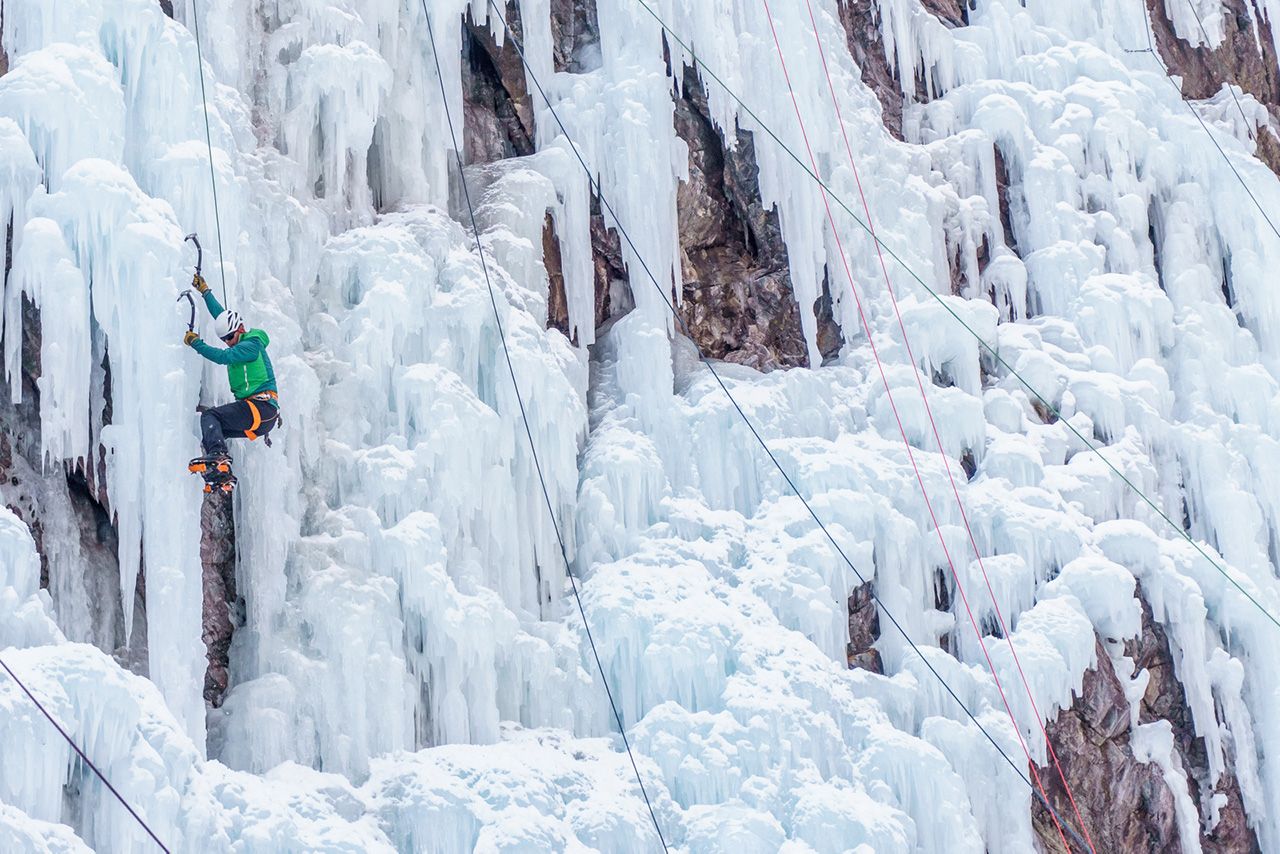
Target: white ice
413,673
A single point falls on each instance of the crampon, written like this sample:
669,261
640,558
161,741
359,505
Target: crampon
216,471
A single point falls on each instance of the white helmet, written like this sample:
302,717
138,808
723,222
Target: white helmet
227,323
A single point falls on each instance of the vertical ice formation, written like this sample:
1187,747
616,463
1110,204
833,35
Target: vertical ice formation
22,602
430,552
410,672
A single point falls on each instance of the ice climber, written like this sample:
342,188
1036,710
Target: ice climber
253,382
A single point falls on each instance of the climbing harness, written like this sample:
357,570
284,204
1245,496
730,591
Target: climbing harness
264,397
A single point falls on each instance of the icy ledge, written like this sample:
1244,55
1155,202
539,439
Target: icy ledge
535,788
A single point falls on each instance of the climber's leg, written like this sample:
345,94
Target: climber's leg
222,422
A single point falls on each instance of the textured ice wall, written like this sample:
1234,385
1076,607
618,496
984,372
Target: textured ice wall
99,256
402,583
537,787
1100,154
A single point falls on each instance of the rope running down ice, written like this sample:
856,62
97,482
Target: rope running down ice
991,349
208,140
866,326
599,193
84,758
546,495
221,270
946,460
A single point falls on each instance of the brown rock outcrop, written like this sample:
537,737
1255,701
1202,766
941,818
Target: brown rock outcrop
1237,60
1125,804
497,110
220,605
864,630
575,32
861,20
65,506
737,296
612,281
499,124
1165,699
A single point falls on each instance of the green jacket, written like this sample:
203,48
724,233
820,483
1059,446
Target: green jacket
248,366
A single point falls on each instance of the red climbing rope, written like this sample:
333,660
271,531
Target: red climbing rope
933,425
897,417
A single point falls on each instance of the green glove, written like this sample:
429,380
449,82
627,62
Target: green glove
191,337
198,282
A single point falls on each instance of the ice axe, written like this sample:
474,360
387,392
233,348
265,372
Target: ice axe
199,250
191,323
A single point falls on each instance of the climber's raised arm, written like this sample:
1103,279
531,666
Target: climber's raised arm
210,301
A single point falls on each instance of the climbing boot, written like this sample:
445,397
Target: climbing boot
210,466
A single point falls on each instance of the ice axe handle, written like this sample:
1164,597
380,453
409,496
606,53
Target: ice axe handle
191,324
199,251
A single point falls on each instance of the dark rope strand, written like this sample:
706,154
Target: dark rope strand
599,192
991,349
84,758
208,139
546,495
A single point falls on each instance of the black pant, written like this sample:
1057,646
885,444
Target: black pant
232,421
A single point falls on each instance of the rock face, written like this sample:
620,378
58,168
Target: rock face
612,285
738,301
575,32
861,20
66,508
499,123
497,112
1126,804
1237,60
1165,699
864,630
737,298
222,610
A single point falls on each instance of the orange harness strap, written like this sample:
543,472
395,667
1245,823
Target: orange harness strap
252,432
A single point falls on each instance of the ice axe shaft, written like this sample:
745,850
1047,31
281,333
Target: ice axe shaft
191,323
199,251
